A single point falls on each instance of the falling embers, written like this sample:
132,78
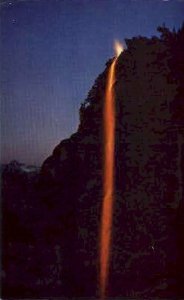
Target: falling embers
108,175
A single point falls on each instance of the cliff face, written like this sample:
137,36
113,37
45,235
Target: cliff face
149,172
147,249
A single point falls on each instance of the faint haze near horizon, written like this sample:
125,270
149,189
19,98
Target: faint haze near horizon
52,51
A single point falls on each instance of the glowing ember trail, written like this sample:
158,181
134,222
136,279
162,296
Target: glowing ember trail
108,173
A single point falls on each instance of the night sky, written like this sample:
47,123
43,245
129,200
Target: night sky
51,53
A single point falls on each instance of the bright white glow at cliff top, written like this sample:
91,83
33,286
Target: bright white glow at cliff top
118,47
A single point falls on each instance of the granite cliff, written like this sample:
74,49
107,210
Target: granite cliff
148,223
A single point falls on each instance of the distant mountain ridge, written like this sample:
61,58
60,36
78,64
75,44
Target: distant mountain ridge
17,166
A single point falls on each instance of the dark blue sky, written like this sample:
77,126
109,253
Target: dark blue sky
51,53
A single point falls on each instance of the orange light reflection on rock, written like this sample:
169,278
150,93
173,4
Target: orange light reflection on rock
108,175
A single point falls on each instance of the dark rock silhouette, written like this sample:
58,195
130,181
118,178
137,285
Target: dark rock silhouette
53,243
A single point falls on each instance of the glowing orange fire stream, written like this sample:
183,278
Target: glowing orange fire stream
108,183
